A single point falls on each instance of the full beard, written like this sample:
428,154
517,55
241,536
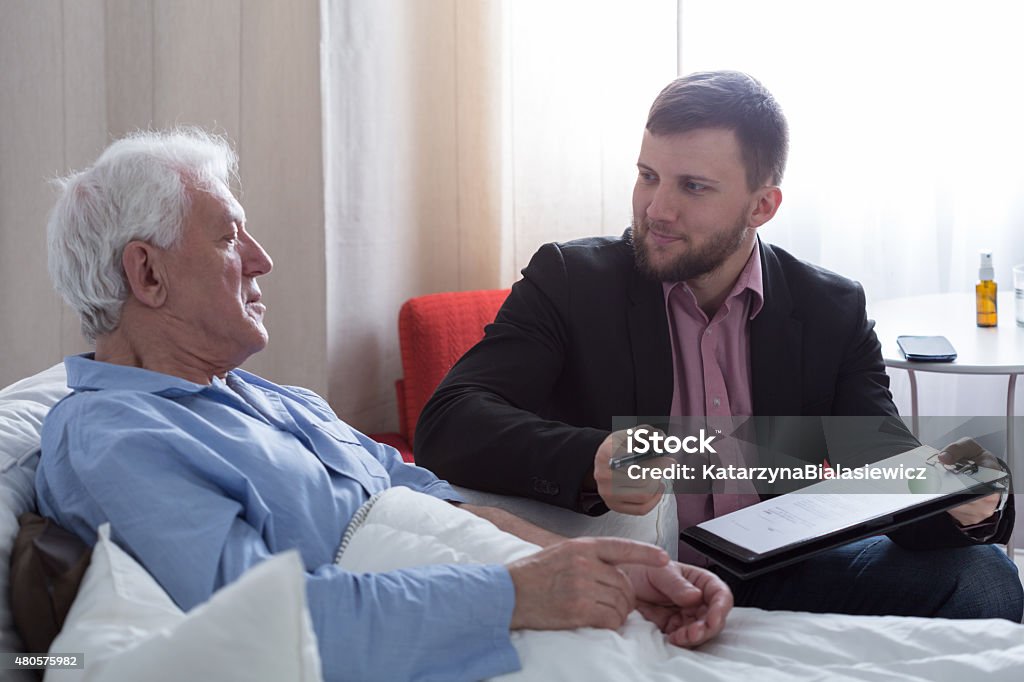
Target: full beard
692,262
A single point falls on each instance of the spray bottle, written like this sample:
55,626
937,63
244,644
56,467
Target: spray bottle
985,292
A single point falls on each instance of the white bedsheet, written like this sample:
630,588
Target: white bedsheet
404,528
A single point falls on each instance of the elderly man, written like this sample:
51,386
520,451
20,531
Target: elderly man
204,470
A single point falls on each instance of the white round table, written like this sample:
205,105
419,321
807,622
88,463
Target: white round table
980,350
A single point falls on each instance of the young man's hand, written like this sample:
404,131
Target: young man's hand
617,489
978,510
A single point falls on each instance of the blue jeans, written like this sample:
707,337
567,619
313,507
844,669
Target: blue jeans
875,576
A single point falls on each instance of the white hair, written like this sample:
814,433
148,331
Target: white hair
137,190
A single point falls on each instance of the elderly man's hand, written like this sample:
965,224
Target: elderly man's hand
619,492
980,509
577,583
689,604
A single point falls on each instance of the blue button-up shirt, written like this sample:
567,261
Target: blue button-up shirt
201,482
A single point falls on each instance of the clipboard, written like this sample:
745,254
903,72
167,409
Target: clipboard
747,562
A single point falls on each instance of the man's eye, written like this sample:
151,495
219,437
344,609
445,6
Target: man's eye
648,177
695,187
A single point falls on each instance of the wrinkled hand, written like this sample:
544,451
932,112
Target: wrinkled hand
980,509
577,583
619,492
689,604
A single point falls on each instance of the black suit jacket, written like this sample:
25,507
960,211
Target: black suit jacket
583,338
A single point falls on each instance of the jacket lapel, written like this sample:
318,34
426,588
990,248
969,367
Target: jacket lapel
651,347
775,344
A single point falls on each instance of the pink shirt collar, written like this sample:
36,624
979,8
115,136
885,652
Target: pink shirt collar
749,278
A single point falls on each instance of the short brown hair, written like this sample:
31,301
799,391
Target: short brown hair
730,100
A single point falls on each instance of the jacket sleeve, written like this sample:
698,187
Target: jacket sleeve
481,428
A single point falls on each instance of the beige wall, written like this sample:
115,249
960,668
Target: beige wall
75,74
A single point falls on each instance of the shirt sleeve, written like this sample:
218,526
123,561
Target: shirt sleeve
177,508
405,474
446,620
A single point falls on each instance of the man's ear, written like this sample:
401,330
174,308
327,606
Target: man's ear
145,275
767,202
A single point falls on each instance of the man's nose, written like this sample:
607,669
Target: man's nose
662,207
257,261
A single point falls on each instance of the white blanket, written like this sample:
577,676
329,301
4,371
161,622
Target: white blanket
404,528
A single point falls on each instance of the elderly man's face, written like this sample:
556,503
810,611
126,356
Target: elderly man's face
213,296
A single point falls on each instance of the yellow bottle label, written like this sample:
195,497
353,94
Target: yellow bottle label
985,299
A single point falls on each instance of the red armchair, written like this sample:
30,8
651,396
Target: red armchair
434,331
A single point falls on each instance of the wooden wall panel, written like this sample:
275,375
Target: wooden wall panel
282,183
197,64
128,46
481,213
31,152
85,113
76,74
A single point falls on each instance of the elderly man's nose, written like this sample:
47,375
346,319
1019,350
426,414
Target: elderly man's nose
257,260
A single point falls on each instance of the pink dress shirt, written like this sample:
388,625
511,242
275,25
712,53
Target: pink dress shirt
711,370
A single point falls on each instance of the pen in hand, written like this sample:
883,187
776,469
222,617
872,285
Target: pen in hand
617,463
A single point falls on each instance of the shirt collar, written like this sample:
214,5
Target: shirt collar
750,278
85,373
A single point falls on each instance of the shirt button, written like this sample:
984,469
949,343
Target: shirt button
717,402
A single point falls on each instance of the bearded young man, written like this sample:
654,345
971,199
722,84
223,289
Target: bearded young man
689,313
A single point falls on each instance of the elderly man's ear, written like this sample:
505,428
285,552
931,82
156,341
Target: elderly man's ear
143,268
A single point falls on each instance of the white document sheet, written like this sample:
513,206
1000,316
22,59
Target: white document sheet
905,480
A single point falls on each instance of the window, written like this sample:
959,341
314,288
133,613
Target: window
905,121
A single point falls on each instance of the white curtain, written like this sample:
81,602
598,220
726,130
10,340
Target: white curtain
907,144
459,136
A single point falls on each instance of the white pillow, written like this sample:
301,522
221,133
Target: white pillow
257,628
23,406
